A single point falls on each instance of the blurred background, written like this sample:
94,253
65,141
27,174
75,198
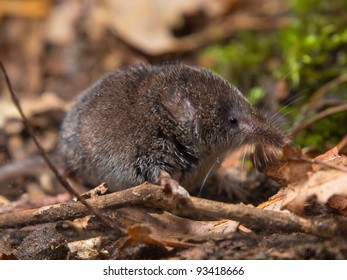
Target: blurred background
285,56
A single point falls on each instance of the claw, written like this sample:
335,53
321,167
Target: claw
172,186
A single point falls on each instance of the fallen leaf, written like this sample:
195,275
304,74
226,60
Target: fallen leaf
23,8
294,171
61,23
142,233
148,25
339,203
321,186
327,156
323,182
171,226
48,101
88,249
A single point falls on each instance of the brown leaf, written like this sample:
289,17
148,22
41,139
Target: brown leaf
323,183
339,202
148,25
23,8
142,233
46,102
88,249
330,155
273,203
168,225
61,23
288,170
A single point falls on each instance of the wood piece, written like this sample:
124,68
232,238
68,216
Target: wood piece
155,196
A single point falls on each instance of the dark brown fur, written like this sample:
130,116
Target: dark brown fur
134,123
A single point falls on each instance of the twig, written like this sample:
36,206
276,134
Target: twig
155,196
319,162
320,92
318,117
225,29
43,153
342,143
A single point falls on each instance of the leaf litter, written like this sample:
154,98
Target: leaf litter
303,184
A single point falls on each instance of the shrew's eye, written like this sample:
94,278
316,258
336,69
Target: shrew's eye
233,121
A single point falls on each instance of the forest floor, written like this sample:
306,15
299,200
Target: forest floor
53,50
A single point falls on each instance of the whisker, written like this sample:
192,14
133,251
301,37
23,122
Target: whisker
287,105
207,175
243,164
255,160
290,71
286,75
220,183
266,102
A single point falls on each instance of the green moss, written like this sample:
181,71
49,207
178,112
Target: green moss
308,53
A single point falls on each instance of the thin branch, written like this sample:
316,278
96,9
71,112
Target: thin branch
225,29
342,143
43,153
319,162
318,117
155,196
316,96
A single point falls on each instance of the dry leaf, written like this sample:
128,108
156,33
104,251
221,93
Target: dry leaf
273,203
3,200
46,102
142,233
61,23
294,171
340,203
88,249
148,25
23,8
322,184
170,226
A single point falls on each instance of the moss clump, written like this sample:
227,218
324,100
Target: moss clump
308,53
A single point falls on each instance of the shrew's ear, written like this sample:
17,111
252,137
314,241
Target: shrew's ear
181,108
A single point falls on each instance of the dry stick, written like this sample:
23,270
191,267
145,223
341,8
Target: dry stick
43,153
321,91
319,162
316,96
318,117
342,143
227,28
155,196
